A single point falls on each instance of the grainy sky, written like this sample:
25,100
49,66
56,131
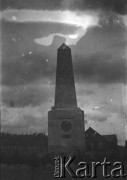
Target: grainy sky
95,30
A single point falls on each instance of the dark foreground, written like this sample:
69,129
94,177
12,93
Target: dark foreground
25,172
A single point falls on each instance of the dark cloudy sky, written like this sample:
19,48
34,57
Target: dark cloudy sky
95,30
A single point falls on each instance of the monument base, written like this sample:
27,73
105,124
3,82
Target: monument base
66,131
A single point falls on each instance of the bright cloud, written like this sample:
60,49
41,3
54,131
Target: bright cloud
124,20
82,20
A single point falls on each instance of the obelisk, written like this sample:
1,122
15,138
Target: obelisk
65,120
65,96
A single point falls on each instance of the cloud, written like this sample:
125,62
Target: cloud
125,20
96,68
112,5
86,121
89,92
82,21
30,4
84,91
22,96
94,57
76,18
26,69
111,107
21,119
100,68
98,116
18,39
118,6
26,124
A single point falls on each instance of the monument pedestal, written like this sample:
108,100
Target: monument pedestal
66,130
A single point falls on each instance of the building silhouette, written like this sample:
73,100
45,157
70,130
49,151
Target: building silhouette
100,144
